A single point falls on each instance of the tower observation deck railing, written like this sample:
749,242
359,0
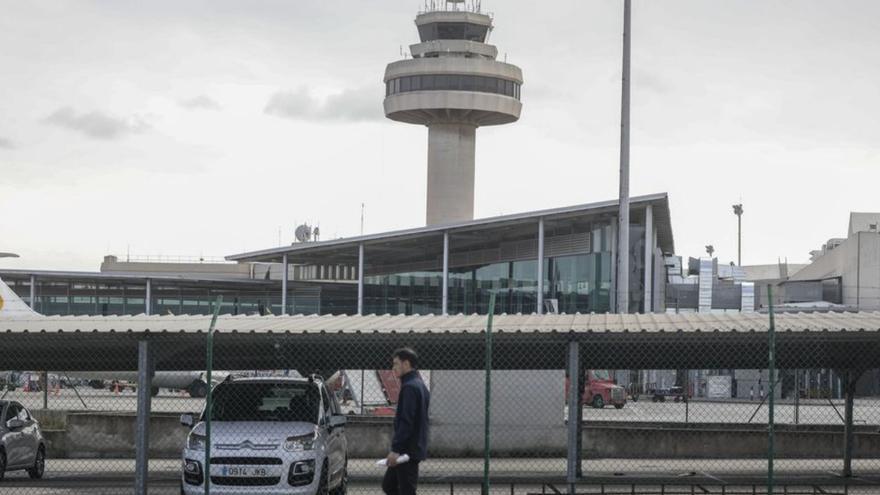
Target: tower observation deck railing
473,6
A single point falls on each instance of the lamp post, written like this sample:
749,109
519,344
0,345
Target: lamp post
623,218
738,211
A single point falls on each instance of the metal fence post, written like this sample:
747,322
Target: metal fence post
488,395
797,396
850,379
44,382
574,418
209,365
771,420
144,397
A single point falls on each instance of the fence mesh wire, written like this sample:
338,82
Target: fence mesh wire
317,414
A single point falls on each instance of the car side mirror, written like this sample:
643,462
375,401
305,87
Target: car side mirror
337,420
187,420
14,424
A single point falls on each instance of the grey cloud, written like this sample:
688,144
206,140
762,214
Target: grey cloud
200,102
356,105
6,144
95,124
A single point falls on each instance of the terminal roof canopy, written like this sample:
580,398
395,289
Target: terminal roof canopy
653,341
484,230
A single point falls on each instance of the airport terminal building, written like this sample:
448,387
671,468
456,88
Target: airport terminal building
558,260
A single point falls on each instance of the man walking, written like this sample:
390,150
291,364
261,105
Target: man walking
410,426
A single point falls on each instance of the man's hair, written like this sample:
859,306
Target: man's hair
407,354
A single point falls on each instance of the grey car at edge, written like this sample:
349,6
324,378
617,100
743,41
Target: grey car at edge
269,435
22,446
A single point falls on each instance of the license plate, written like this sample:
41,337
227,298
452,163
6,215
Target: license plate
244,472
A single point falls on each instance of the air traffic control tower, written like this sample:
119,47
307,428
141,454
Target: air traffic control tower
452,84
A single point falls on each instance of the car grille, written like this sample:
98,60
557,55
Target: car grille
616,394
227,481
247,461
246,445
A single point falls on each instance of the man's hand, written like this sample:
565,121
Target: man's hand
392,459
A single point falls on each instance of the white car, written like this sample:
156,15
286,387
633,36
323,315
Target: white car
268,436
21,441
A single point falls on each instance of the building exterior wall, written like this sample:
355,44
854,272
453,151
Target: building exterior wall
220,270
868,267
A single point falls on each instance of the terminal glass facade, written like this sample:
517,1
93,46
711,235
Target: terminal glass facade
103,297
514,283
406,293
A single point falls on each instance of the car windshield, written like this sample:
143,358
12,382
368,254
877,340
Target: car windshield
266,402
601,375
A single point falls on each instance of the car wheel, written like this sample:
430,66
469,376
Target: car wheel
342,489
154,391
618,406
39,467
323,485
2,464
598,402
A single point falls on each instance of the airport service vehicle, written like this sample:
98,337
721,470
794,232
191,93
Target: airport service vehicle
269,435
21,441
676,393
600,390
191,381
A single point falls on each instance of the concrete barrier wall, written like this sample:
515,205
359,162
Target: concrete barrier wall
106,436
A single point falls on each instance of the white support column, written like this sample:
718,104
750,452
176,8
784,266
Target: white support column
540,266
33,300
148,296
284,268
614,264
445,308
361,278
649,259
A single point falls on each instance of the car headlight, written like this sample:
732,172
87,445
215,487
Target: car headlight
195,441
300,443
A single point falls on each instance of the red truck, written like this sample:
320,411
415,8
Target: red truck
600,390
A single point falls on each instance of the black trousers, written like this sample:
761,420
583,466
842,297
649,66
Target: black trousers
401,479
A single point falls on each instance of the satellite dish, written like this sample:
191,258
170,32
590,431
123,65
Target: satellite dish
303,233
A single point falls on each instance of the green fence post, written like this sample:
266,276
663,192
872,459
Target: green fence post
772,379
209,364
488,394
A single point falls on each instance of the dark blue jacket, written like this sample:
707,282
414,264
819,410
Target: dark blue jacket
411,419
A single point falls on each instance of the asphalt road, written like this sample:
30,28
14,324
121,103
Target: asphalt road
115,476
866,411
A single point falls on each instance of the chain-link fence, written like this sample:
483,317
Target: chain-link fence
298,411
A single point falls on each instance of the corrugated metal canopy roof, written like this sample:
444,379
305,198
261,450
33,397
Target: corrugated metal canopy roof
594,323
609,341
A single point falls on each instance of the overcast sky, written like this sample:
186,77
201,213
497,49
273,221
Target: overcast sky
202,127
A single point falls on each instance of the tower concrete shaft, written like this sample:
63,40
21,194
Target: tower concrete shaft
451,149
452,85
